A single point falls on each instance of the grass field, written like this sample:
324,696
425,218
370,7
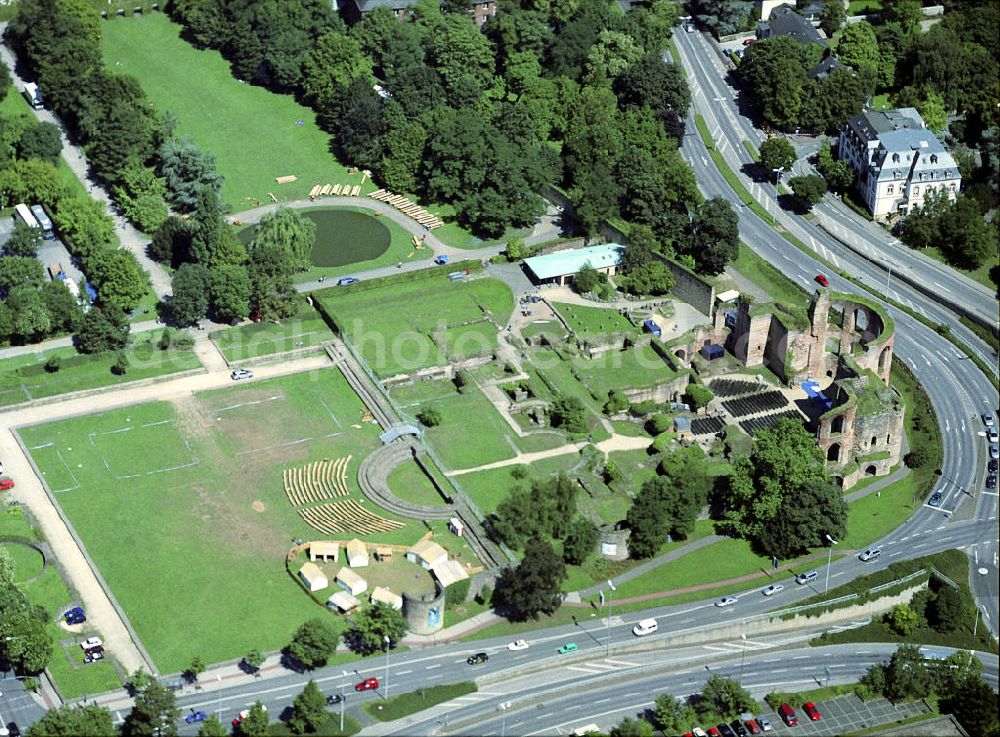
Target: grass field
203,497
72,676
24,377
635,367
423,323
28,562
251,132
409,482
593,322
306,328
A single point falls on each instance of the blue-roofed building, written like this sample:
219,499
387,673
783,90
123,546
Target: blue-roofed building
560,267
897,160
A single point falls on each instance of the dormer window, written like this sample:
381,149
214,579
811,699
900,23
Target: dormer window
933,158
895,158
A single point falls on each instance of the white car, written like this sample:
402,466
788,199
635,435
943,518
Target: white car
764,724
726,601
698,732
241,374
774,588
991,435
517,645
645,627
91,642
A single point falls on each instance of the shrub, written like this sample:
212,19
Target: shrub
120,366
659,423
52,364
456,593
429,416
917,458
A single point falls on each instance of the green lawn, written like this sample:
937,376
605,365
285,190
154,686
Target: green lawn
593,322
28,562
24,377
72,676
251,132
981,275
410,483
306,328
421,323
471,432
636,367
769,278
204,499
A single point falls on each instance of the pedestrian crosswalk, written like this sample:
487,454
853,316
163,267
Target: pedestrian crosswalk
738,646
603,666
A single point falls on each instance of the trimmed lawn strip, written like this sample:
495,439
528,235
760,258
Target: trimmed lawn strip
796,699
872,517
253,340
330,729
24,377
406,704
769,278
933,714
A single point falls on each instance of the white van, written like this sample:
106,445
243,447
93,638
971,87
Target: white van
645,627
804,578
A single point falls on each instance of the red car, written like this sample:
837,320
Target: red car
6,483
822,280
753,727
787,713
811,711
368,684
748,41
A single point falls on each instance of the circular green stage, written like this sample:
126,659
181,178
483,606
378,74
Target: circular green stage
28,562
342,236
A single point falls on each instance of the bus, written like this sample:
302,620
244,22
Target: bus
23,213
43,222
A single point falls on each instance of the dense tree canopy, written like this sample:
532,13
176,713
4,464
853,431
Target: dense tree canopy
534,586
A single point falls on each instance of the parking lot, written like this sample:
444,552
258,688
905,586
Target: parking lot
849,713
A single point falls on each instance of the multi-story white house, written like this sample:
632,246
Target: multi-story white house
897,160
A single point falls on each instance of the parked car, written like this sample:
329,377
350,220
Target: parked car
726,601
241,374
93,654
991,437
441,260
988,419
195,716
748,41
477,659
75,616
753,727
517,645
369,684
569,647
713,732
995,451
872,553
936,498
822,280
991,481
698,732
346,281
739,728
91,642
774,588
764,723
6,482
811,711
787,714
725,730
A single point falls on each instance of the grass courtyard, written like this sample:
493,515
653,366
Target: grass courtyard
305,328
251,132
194,489
409,325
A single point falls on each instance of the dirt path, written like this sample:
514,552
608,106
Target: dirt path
612,444
102,613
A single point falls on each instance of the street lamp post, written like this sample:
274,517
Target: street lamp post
829,561
503,718
743,656
218,677
343,698
888,277
607,624
386,638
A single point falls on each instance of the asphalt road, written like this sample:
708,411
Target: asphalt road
531,709
957,389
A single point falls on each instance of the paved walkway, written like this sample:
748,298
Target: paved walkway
130,238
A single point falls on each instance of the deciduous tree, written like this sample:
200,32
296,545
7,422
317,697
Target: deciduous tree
534,586
580,540
368,629
119,278
313,643
155,713
101,331
309,708
74,721
229,292
189,301
777,152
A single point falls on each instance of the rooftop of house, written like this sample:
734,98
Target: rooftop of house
825,67
873,124
366,6
563,263
917,151
784,21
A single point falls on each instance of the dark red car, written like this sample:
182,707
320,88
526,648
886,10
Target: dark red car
369,684
6,483
822,280
811,711
787,714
